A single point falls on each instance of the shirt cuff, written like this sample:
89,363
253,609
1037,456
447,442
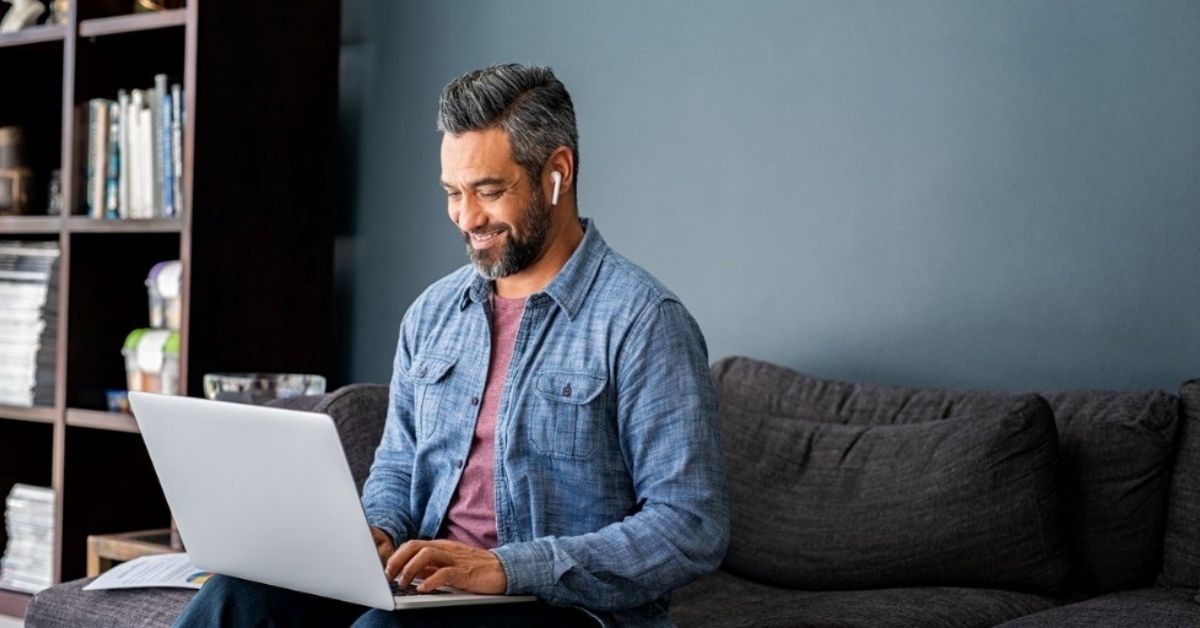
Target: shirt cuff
529,566
388,527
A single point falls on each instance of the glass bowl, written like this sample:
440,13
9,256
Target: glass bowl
259,388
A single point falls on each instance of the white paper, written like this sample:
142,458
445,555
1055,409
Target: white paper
160,570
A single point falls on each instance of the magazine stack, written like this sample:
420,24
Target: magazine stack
28,557
28,322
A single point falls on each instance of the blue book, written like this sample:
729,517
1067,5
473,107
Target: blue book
112,172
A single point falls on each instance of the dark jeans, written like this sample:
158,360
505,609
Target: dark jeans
233,602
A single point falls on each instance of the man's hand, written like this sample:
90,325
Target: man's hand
383,544
447,563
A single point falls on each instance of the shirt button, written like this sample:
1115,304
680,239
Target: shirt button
474,401
459,464
424,372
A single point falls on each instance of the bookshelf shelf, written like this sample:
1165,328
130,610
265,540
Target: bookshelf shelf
33,415
80,224
34,35
101,26
33,225
13,603
98,420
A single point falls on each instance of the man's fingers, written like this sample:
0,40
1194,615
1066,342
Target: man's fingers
425,557
445,576
401,556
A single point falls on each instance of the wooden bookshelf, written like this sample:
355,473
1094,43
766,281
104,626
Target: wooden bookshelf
100,26
98,420
13,603
82,224
35,35
255,232
33,415
32,225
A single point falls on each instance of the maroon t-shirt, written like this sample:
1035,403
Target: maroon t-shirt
472,516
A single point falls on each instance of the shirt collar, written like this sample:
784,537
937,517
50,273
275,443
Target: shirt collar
569,287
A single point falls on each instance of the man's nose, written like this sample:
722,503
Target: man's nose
470,214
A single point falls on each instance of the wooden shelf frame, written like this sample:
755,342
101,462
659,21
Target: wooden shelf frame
98,420
34,35
30,225
13,603
82,224
134,23
32,415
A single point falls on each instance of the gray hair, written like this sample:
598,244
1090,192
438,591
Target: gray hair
529,103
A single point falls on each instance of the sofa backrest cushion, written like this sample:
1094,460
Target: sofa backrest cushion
1181,555
358,411
836,497
1115,452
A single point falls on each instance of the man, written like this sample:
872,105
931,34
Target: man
552,424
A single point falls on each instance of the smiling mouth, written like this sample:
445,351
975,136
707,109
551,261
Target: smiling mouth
485,240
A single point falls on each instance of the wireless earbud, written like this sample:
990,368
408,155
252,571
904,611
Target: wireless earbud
557,176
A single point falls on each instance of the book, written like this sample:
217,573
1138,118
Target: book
167,167
156,116
113,162
177,145
123,173
96,156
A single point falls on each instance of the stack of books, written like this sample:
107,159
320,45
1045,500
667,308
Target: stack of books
28,558
135,153
28,322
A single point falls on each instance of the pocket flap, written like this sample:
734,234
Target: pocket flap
577,388
428,369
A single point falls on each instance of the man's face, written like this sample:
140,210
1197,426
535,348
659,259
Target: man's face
503,217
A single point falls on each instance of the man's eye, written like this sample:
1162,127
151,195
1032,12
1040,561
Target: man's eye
490,195
453,194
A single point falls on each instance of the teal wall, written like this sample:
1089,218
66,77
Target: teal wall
943,193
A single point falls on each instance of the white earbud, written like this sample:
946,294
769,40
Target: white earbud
557,176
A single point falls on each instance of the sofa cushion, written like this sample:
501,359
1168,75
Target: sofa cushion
1143,607
722,600
1115,453
69,605
965,501
1181,552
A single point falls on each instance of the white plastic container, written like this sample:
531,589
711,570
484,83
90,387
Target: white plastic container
165,287
152,361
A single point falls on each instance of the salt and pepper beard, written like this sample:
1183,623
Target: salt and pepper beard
520,251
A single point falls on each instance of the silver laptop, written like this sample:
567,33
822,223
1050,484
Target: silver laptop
266,494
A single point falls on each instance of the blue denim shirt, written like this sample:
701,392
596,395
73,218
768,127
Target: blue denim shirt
609,483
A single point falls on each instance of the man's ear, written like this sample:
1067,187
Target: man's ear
562,161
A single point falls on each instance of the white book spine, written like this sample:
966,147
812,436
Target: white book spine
123,129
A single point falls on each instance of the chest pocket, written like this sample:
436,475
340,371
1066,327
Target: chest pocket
570,415
429,375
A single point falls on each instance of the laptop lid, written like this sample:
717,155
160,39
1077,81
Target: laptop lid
263,494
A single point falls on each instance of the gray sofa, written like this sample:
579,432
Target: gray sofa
861,505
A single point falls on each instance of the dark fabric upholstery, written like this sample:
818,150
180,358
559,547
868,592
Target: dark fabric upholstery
1158,607
69,605
1115,450
969,501
1181,555
960,502
721,600
358,411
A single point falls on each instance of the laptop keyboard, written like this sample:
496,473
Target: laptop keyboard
411,589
